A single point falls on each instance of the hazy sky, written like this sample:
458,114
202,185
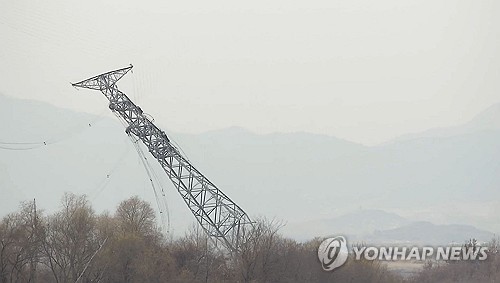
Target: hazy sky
366,71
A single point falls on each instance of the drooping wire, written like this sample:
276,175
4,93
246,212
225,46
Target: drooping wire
152,178
76,129
91,258
23,145
19,143
110,173
161,202
142,84
64,135
163,194
174,144
19,148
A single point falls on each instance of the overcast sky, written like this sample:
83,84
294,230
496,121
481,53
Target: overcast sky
365,71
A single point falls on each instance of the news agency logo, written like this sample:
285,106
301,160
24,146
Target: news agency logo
333,253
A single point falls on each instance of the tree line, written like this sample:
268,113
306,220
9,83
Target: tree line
75,244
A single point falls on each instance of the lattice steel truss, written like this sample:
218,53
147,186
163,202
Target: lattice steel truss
222,219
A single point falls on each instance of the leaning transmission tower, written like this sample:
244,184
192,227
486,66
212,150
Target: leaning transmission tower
221,218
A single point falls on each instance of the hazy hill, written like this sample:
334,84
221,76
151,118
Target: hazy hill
354,225
487,120
371,226
298,177
303,177
426,233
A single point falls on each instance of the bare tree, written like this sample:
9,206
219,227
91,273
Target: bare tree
21,235
136,216
137,253
75,245
198,259
71,239
259,254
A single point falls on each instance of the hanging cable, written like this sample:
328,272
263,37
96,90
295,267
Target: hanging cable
24,148
176,145
64,135
77,128
110,173
150,173
19,143
165,217
163,194
91,258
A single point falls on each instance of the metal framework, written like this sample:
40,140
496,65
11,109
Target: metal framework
222,219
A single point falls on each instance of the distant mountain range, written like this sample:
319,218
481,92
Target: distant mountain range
379,227
354,225
488,120
426,233
444,176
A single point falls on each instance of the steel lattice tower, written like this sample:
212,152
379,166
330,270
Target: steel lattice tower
222,219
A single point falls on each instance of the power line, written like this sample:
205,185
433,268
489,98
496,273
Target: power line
152,175
57,138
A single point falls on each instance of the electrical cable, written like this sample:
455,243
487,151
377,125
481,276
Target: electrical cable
110,173
164,217
151,175
64,135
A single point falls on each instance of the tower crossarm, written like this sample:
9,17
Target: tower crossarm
221,218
